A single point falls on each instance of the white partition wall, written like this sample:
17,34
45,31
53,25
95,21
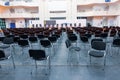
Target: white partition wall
96,12
19,23
68,22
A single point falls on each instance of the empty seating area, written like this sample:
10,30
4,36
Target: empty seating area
48,53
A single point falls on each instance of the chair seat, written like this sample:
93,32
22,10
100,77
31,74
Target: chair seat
115,45
47,46
3,58
7,56
74,48
4,46
40,59
96,53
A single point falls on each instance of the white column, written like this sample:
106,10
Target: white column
73,10
69,11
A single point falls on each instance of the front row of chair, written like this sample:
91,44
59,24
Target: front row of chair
98,50
36,55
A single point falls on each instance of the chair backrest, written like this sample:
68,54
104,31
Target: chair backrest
88,35
98,45
84,38
24,36
96,40
2,38
23,42
37,54
104,35
16,39
8,40
72,38
2,54
56,35
45,43
40,36
32,39
10,36
52,39
116,42
68,43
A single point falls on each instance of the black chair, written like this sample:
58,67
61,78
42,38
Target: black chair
85,41
53,40
40,36
8,43
56,35
39,55
8,40
33,39
1,39
88,35
72,51
16,39
24,36
98,50
116,42
116,45
96,40
10,36
46,44
68,43
23,44
104,35
3,56
73,38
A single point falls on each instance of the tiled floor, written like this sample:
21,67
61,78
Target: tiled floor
76,68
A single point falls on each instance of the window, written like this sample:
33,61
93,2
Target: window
57,18
57,11
81,17
34,18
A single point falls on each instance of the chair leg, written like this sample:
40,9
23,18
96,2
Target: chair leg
35,64
53,50
13,49
13,61
22,51
104,60
90,59
49,62
12,58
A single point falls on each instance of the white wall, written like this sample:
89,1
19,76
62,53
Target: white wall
105,21
111,21
90,20
82,21
20,23
70,6
32,10
84,2
118,20
97,21
31,22
98,8
84,8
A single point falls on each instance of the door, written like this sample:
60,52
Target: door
12,25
